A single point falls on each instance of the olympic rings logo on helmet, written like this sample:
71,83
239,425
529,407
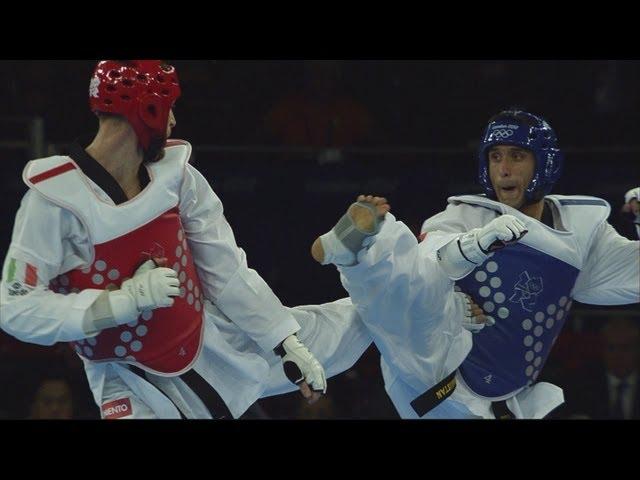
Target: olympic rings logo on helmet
501,134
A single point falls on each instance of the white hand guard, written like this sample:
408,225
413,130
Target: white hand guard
497,234
151,287
460,256
300,365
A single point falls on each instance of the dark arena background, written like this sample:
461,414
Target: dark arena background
287,145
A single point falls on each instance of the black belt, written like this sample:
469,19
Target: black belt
209,396
501,411
435,395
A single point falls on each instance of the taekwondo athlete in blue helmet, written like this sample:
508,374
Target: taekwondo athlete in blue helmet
521,254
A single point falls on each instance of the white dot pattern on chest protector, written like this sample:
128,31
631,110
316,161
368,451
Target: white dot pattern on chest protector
495,282
488,307
481,276
527,324
484,291
539,317
503,312
130,341
126,336
550,322
499,297
492,267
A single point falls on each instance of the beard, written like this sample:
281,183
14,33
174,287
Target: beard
155,152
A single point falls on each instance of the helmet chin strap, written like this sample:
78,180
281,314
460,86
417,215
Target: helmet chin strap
534,198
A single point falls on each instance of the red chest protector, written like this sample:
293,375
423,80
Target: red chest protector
164,341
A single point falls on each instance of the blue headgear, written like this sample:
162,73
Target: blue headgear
522,129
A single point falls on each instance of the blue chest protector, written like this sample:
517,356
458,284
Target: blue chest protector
527,292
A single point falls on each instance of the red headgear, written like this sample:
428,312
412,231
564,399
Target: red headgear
143,91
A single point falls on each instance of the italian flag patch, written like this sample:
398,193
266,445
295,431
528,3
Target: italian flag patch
22,272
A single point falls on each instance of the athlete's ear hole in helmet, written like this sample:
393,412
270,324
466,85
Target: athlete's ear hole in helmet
152,110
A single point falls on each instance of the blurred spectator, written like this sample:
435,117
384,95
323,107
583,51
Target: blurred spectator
53,400
320,114
608,388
